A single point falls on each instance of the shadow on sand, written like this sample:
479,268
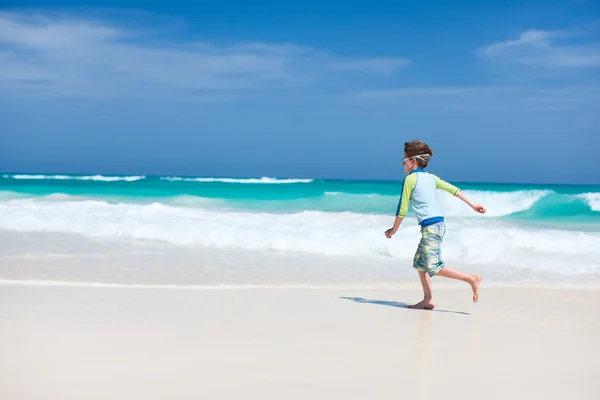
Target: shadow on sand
397,304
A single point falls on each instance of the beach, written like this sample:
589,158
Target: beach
60,342
246,200
115,287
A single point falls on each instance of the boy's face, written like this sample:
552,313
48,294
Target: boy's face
409,164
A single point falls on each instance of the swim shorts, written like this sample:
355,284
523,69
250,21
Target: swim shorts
428,257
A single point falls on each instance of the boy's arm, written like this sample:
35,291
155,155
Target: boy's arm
476,207
408,185
394,229
448,187
453,190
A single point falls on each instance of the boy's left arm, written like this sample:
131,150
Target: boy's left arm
448,187
454,191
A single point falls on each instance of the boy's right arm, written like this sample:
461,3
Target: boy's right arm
408,185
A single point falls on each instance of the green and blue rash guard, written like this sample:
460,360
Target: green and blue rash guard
419,189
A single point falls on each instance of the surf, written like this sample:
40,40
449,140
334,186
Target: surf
478,239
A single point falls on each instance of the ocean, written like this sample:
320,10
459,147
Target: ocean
204,232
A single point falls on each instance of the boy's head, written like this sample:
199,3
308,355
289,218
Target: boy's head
417,154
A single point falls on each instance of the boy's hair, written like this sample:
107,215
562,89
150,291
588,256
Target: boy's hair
418,147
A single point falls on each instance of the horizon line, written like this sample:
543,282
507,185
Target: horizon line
288,178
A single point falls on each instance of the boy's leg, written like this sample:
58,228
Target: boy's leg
474,280
426,303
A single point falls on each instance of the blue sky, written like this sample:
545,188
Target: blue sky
503,91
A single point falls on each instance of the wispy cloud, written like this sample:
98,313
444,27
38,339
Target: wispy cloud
412,92
549,49
84,56
548,66
492,98
382,66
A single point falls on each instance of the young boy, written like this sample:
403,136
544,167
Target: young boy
419,188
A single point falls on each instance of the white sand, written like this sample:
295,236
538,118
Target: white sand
99,343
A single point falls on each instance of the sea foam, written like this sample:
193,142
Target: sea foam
77,177
475,240
264,180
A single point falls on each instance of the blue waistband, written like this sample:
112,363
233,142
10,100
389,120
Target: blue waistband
431,221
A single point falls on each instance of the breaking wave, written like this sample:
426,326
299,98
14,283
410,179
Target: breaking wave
481,240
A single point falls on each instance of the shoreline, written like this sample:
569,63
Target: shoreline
447,285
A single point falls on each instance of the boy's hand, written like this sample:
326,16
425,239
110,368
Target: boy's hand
389,233
478,208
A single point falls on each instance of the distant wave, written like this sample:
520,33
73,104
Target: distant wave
522,205
78,177
237,180
593,199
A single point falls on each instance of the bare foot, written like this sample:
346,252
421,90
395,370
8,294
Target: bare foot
475,286
422,305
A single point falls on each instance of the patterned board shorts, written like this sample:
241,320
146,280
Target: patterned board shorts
428,257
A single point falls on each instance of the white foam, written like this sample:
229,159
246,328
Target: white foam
497,203
36,176
593,199
476,240
78,177
264,180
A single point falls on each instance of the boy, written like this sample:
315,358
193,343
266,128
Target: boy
419,188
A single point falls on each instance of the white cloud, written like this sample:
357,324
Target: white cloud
533,37
41,33
71,55
550,49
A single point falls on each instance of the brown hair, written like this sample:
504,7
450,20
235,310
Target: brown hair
418,147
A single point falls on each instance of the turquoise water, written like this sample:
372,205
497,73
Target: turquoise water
541,229
544,203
